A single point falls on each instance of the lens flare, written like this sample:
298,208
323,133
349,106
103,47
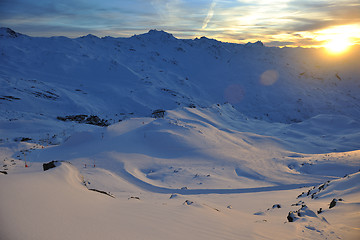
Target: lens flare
269,77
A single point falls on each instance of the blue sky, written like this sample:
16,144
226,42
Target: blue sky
275,22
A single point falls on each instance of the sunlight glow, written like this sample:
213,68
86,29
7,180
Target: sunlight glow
338,39
338,45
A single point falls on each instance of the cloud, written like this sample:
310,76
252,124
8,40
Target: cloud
209,15
315,15
278,43
275,22
47,18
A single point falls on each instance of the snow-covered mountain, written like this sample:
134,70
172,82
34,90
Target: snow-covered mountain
172,130
108,76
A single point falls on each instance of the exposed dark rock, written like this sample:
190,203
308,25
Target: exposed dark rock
76,118
313,191
9,98
61,118
333,203
9,33
173,196
276,206
82,118
46,95
47,166
4,172
298,203
25,139
173,93
95,120
21,139
301,195
321,187
338,77
302,212
137,198
159,113
103,192
290,217
188,202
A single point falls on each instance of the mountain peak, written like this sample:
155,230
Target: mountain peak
206,39
255,44
9,33
90,36
155,32
156,35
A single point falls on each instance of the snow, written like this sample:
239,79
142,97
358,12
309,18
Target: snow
250,135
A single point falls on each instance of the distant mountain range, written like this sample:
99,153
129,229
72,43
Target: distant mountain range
115,78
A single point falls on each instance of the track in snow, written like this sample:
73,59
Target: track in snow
123,173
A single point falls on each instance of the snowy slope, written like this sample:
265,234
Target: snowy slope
110,76
241,129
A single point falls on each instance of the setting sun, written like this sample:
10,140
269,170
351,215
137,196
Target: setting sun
338,45
337,40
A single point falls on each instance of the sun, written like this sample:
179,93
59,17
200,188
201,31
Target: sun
338,39
338,44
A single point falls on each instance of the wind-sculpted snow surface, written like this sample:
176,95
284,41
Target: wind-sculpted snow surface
191,148
176,139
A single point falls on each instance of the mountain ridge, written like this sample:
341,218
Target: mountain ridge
257,81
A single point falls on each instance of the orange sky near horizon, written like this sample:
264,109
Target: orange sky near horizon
281,23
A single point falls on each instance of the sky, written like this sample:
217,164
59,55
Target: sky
280,23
